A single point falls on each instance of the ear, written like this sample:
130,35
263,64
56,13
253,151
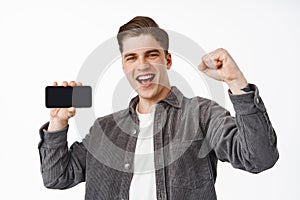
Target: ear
169,60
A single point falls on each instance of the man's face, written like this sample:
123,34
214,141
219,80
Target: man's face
145,65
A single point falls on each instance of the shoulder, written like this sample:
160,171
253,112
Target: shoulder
197,102
201,107
105,124
113,117
187,102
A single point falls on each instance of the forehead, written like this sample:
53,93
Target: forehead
140,44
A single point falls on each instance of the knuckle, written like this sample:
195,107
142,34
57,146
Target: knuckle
222,50
206,58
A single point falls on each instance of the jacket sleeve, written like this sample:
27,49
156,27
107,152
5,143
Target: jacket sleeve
61,167
248,140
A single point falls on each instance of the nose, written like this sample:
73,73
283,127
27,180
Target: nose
143,64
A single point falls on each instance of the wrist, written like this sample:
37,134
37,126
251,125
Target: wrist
57,124
238,86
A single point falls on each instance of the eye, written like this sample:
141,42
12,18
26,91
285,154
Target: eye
130,58
153,55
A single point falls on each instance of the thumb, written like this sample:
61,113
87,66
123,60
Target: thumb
210,62
202,67
211,72
71,112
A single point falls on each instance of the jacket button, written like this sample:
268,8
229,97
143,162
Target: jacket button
257,100
133,132
127,166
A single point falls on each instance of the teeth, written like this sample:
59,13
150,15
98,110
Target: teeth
141,78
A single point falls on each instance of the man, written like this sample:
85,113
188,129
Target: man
184,137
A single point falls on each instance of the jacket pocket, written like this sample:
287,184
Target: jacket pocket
188,170
182,188
187,183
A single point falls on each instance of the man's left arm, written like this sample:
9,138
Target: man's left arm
248,141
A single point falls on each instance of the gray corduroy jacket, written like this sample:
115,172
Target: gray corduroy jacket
190,136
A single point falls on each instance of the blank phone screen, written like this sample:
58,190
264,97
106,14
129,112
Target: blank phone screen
65,97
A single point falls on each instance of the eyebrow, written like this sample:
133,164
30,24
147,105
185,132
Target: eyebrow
129,54
147,52
153,51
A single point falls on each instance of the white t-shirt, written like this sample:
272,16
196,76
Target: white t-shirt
143,185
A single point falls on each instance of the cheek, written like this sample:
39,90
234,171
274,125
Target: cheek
126,69
129,73
160,61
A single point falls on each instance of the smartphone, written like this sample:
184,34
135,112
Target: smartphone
65,97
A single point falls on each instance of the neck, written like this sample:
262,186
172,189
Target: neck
147,105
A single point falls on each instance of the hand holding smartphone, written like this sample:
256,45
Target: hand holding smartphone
63,99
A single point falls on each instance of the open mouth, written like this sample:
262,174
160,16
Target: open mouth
145,79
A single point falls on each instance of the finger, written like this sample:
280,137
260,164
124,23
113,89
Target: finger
202,67
71,114
54,83
219,56
72,83
209,61
71,111
64,83
78,84
53,112
213,73
219,64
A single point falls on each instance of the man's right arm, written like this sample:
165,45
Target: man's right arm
61,167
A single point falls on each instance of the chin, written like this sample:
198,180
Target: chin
147,93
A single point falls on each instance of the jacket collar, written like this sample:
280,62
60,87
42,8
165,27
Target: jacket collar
174,99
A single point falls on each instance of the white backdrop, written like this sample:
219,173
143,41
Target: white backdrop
45,41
